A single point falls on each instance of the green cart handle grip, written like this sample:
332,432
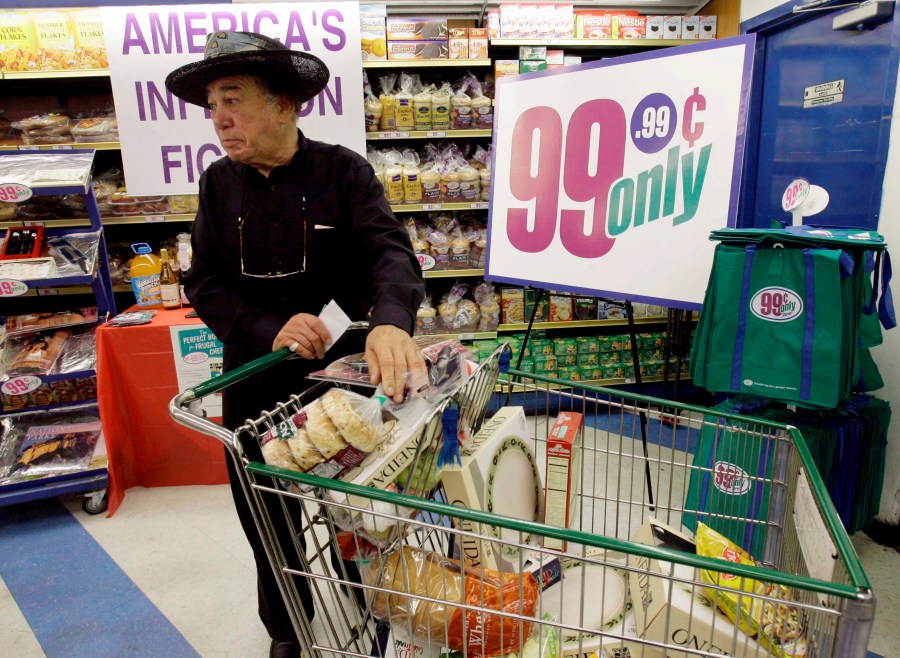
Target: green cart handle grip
215,384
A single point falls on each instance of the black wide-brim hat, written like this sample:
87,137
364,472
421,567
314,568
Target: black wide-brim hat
249,53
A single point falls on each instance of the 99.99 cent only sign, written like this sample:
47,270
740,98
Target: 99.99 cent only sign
608,177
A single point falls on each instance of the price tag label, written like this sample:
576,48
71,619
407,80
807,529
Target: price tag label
432,206
47,292
29,147
436,133
61,147
795,194
481,205
426,262
466,336
33,224
391,135
153,219
15,192
21,385
630,380
12,288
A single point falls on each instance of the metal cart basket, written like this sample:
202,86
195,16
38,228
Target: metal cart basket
610,591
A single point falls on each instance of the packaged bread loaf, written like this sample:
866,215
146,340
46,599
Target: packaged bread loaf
372,109
412,573
431,185
469,185
406,118
460,111
440,108
422,108
393,181
388,102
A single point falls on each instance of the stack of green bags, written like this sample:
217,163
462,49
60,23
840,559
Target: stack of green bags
789,314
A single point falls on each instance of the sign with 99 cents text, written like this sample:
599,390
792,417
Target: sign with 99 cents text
609,176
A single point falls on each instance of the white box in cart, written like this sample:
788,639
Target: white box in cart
497,474
672,27
563,473
708,27
656,27
690,28
677,613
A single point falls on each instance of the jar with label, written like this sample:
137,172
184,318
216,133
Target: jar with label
485,176
393,179
422,109
431,186
469,185
440,108
460,111
450,192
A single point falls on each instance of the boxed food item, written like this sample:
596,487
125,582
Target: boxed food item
497,472
509,20
532,53
708,27
560,307
546,20
563,474
512,305
563,346
587,359
570,60
418,50
459,43
478,43
416,29
372,33
531,66
565,21
594,25
504,67
541,346
584,308
527,21
545,363
566,360
587,344
690,27
672,27
591,373
630,27
570,372
543,309
556,57
662,603
655,27
492,22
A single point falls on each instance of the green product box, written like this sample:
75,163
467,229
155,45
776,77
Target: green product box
587,344
545,363
652,354
528,67
611,344
652,368
614,371
541,346
589,359
653,341
533,53
527,365
565,346
543,309
605,358
567,359
591,372
572,373
486,347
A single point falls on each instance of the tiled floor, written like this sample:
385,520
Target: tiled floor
183,549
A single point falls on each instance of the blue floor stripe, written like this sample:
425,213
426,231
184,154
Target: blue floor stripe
76,599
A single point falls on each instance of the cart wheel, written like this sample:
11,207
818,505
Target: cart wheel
95,503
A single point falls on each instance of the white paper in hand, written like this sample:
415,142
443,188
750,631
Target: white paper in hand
335,320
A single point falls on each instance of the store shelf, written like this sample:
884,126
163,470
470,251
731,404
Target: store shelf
94,479
54,75
428,134
428,207
424,63
577,324
148,219
474,335
593,43
97,146
49,407
449,274
542,385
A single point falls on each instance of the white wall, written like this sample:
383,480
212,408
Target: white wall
885,355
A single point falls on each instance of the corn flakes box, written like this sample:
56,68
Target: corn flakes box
18,48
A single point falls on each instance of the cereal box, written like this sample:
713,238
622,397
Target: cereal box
459,43
563,346
509,20
630,27
543,310
556,57
690,27
589,359
541,347
570,60
504,67
417,29
570,372
417,50
587,344
594,25
560,307
512,305
478,43
532,53
655,27
584,308
17,45
564,22
492,21
563,472
527,21
544,363
529,66
672,27
546,21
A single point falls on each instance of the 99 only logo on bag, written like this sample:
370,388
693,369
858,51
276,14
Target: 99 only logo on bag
776,305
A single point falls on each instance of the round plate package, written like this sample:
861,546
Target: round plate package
514,490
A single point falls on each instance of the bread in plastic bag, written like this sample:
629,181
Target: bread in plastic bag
413,573
778,627
357,418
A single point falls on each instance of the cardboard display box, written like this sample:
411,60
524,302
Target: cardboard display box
563,473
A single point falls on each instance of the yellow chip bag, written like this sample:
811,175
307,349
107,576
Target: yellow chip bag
776,626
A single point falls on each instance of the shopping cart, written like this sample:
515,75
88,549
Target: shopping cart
604,594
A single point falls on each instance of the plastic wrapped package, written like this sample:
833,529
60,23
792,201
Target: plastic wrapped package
37,354
41,444
96,129
388,120
412,573
18,325
426,318
75,254
79,354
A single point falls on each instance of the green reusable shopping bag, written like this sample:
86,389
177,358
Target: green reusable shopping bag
777,325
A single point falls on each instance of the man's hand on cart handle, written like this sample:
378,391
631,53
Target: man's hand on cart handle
392,354
304,335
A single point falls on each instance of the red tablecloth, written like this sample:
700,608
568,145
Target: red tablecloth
135,382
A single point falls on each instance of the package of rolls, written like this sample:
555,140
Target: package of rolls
327,437
412,574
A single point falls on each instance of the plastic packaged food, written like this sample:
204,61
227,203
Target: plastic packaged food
440,108
406,119
388,102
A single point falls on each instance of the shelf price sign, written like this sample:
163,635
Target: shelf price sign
608,177
20,385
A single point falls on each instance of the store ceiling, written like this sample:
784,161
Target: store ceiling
476,8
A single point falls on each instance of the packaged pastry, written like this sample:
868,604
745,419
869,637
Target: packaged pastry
406,119
388,102
431,185
49,121
459,253
448,311
372,109
412,184
469,185
467,315
485,180
393,182
482,112
95,129
460,111
7,211
477,253
426,318
440,107
422,108
490,316
440,250
450,192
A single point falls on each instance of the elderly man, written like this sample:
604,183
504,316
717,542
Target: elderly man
285,225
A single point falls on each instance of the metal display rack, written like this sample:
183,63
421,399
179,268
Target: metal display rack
51,174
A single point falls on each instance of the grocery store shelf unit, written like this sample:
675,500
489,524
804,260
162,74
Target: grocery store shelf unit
23,492
577,324
428,134
449,274
423,63
111,220
97,146
613,44
53,75
428,207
